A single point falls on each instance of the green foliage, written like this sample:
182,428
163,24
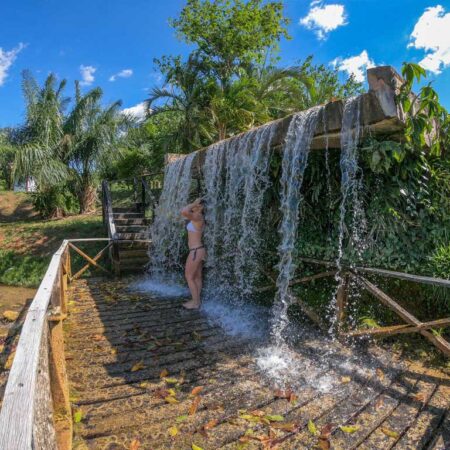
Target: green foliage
230,83
63,152
440,261
231,34
20,270
7,155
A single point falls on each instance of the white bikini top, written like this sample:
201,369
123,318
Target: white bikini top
191,227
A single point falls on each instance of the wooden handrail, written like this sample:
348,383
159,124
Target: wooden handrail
26,416
384,272
37,383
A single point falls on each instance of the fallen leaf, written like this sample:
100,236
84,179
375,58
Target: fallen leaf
420,397
284,426
135,444
380,374
197,336
293,398
10,316
258,412
173,431
138,366
194,406
312,427
182,418
171,380
323,444
164,373
390,433
326,430
78,416
196,390
172,392
143,385
98,337
379,403
349,428
274,418
196,447
170,399
345,379
211,424
161,393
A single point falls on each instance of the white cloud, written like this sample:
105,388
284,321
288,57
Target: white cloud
125,73
432,34
87,75
7,59
138,111
355,65
324,18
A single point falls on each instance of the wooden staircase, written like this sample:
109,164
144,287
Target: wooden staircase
128,228
132,227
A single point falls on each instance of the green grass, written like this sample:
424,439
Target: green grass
28,245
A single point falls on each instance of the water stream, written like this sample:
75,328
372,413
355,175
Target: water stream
295,159
167,232
236,180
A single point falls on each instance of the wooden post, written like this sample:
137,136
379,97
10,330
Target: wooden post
63,289
59,384
341,300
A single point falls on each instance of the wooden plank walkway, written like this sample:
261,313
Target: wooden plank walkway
145,374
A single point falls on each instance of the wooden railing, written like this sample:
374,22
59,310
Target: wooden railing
411,325
108,221
36,408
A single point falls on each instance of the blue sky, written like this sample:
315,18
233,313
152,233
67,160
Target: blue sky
112,43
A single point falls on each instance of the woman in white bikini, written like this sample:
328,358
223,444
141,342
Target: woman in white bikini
197,253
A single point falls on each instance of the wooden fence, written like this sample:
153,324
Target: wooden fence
411,323
36,408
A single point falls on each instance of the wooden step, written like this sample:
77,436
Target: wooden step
133,253
133,245
125,210
131,228
127,215
132,236
136,221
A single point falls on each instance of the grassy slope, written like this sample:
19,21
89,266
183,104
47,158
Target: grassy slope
27,243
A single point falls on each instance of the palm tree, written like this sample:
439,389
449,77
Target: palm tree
90,132
64,152
184,97
40,156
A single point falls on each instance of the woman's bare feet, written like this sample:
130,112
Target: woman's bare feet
192,304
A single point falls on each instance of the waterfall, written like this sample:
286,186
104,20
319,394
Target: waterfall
236,179
167,231
295,159
350,135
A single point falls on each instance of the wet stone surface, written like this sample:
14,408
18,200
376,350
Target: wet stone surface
146,374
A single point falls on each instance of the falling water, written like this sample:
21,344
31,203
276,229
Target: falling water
236,179
350,134
295,159
350,186
167,232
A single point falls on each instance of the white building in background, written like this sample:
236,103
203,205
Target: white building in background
29,185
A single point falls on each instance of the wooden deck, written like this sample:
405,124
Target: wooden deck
145,374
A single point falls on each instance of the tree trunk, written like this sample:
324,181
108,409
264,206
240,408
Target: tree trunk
87,198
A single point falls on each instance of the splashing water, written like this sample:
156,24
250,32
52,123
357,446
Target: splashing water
295,159
167,232
350,135
350,186
236,179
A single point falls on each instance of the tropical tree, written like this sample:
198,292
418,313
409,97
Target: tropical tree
41,156
90,133
63,152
